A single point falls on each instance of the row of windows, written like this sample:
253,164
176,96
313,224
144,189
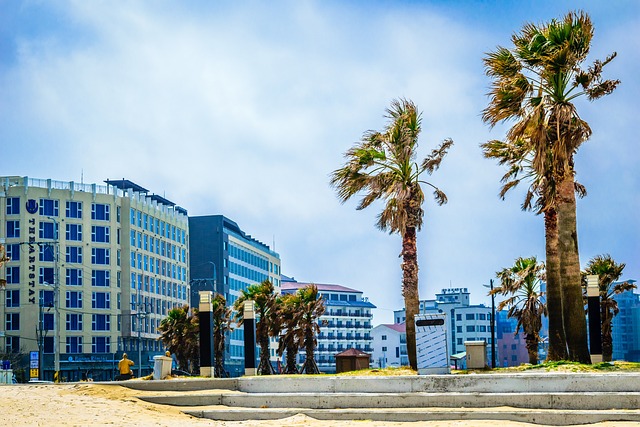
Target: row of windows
99,300
157,286
99,322
160,247
473,328
246,272
73,275
51,207
474,316
249,257
157,226
155,265
49,230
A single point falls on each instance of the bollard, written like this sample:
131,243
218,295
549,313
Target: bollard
249,324
595,329
205,316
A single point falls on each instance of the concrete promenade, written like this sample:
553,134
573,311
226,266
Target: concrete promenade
543,398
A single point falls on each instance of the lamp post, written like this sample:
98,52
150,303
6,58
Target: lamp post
56,299
138,306
493,324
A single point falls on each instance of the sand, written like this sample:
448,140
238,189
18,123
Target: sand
88,404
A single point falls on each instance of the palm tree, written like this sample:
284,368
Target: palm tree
267,325
179,332
522,283
311,307
221,326
289,343
534,84
383,166
608,271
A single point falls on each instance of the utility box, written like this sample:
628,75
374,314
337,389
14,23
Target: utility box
476,354
431,344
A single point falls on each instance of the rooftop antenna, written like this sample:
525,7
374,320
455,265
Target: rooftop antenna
82,176
274,242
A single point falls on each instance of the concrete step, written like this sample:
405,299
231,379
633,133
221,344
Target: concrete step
558,400
536,416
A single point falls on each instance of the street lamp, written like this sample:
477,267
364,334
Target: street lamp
56,298
493,324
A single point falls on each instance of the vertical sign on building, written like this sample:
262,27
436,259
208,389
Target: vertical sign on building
431,344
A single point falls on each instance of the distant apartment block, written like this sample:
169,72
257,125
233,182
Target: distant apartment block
116,253
348,322
226,260
512,348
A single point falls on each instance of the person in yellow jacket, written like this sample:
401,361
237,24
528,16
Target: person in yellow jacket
125,368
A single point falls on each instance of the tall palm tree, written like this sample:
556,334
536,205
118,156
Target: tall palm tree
311,307
383,166
608,271
179,332
289,342
221,326
267,325
534,83
522,283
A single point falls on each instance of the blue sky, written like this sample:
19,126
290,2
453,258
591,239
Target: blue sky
245,108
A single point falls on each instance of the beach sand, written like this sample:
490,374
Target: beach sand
88,404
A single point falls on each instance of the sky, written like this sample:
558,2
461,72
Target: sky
244,108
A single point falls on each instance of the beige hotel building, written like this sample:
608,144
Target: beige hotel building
93,270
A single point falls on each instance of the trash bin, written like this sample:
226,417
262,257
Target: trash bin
476,354
161,367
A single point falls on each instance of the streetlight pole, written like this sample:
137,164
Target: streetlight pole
139,316
493,324
56,298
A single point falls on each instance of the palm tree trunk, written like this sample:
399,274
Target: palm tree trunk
607,341
557,339
292,352
410,290
574,319
532,348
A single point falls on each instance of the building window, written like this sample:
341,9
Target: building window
13,229
101,300
74,254
99,234
47,321
46,253
459,341
100,278
13,252
13,206
12,321
46,298
481,316
384,338
13,298
74,322
74,345
46,276
100,256
100,322
49,207
74,277
73,210
471,328
13,344
459,329
74,232
459,317
100,344
100,212
47,230
13,275
74,299
470,316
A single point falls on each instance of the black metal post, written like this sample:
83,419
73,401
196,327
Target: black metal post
205,316
595,328
493,326
249,325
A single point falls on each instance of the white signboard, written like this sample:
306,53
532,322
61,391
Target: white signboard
431,344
